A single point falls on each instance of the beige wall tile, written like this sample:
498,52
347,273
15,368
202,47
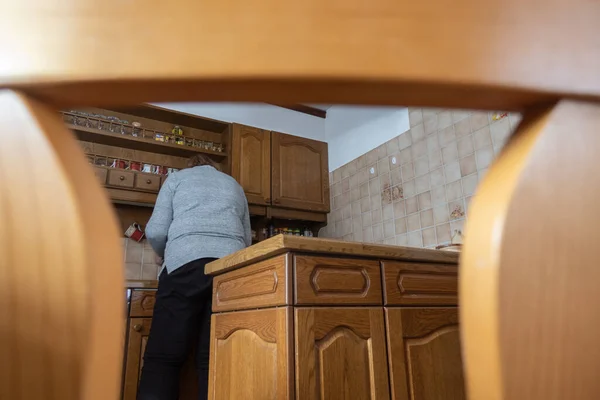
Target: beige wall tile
440,214
438,195
149,271
484,157
454,191
422,183
458,115
456,209
133,270
354,181
336,189
409,188
366,219
452,171
345,185
399,209
365,204
436,177
396,176
515,120
392,146
443,233
421,166
402,240
364,190
412,205
435,159
394,161
383,166
446,136
347,226
381,152
405,139
356,212
400,224
389,229
419,149
405,156
482,138
347,211
375,202
429,238
337,175
500,131
467,165
415,239
374,186
450,153
444,120
457,225
465,146
408,172
413,222
433,143
384,180
462,128
376,216
377,232
430,124
388,211
478,120
391,241
361,162
415,117
371,157
424,200
354,194
427,218
133,252
363,175
469,183
368,235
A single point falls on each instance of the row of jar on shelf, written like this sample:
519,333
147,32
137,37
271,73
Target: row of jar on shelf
111,162
272,231
122,127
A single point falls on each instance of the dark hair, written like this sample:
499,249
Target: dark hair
202,159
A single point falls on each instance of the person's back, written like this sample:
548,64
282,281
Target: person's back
200,215
204,214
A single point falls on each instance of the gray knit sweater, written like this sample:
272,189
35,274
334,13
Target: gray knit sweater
200,212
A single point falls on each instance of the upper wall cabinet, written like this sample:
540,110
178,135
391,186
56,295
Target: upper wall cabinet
251,162
300,177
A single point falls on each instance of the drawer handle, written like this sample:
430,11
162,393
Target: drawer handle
148,181
122,178
137,327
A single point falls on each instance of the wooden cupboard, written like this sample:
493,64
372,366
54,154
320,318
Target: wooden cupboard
251,162
340,353
424,353
354,335
300,173
138,331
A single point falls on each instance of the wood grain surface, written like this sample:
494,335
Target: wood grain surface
340,354
142,303
386,52
528,289
61,283
286,243
251,355
420,283
266,283
139,329
330,280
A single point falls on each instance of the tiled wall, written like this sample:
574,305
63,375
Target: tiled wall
415,189
139,260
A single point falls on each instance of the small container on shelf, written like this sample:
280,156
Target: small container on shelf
90,158
159,137
189,142
179,140
177,130
137,129
100,161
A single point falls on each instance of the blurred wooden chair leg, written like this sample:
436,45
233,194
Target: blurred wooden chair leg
61,286
529,272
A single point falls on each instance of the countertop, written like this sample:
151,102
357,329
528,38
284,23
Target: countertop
285,243
140,284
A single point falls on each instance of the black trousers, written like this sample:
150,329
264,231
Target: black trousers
180,321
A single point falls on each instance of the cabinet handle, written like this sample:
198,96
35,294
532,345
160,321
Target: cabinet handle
276,201
137,327
122,178
148,181
267,200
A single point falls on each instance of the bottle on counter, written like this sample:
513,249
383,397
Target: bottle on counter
297,232
307,232
271,230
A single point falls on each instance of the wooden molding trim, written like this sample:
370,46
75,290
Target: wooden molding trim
302,108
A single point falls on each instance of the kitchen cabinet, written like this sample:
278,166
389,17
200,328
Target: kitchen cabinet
251,162
424,353
264,371
340,353
300,173
353,335
138,331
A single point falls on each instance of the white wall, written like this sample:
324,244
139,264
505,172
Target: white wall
352,131
262,116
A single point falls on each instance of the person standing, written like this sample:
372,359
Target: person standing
201,214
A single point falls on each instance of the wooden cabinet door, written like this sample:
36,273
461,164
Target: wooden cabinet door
425,354
251,355
251,162
340,354
300,175
139,329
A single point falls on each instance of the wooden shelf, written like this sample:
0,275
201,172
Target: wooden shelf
139,143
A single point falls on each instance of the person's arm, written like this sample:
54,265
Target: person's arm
162,216
246,222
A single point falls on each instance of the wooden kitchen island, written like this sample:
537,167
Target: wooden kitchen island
307,318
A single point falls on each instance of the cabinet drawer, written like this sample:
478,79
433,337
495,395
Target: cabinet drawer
329,280
142,303
420,284
121,178
147,182
101,174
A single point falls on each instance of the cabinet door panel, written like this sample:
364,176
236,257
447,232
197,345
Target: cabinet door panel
139,329
251,355
340,354
251,162
300,173
424,350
